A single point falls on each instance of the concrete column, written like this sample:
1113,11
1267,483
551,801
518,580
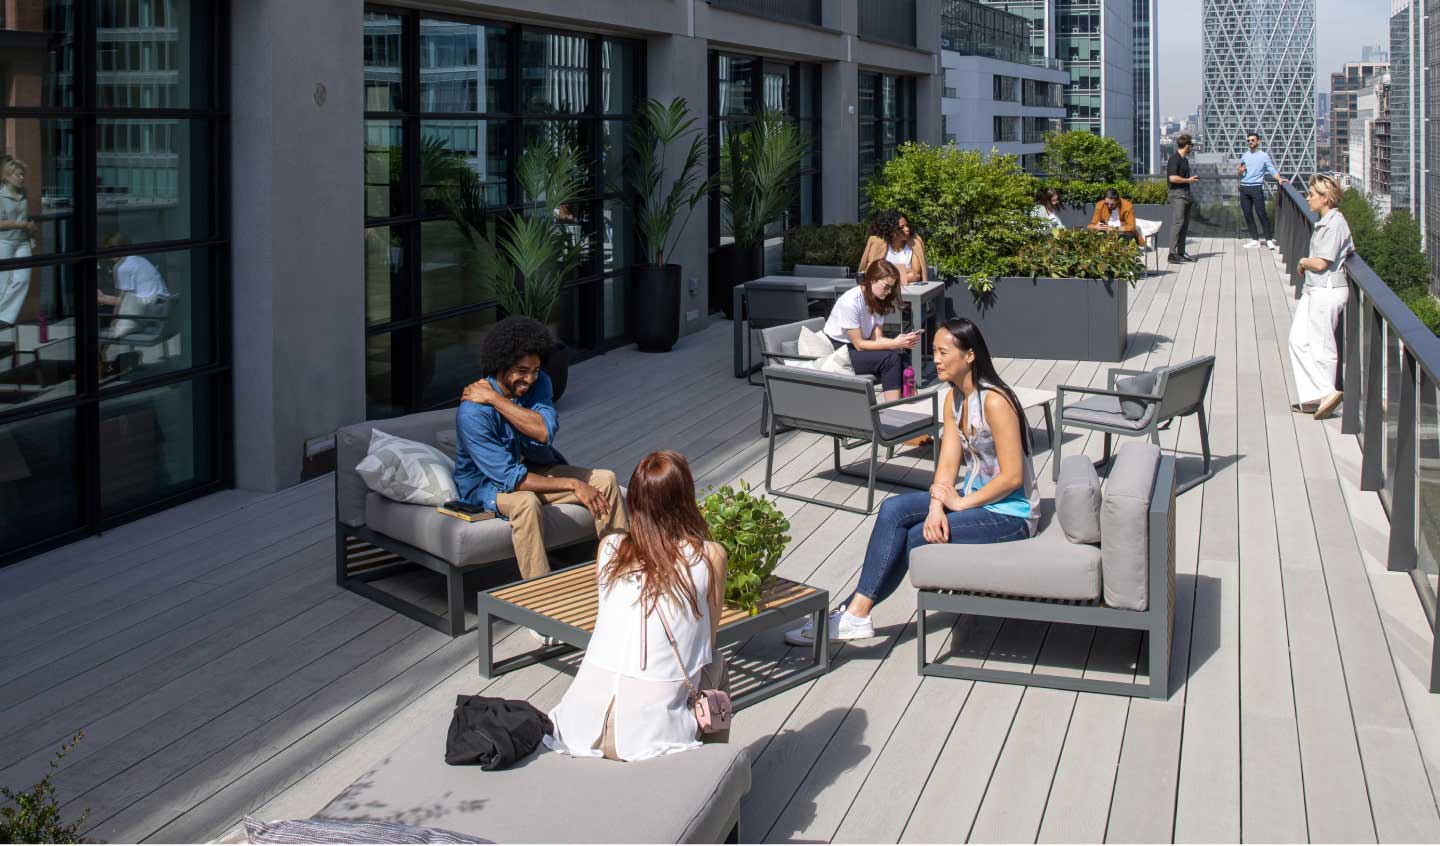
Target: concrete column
839,143
297,228
929,88
679,66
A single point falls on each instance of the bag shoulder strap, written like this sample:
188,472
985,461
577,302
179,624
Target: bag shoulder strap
694,694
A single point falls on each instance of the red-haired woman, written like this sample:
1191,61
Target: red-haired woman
629,700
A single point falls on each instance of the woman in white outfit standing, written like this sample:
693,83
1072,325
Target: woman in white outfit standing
661,588
1312,331
17,239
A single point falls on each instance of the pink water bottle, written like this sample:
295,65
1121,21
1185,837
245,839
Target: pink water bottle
44,327
907,382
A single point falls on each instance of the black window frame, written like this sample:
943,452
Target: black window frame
212,378
873,125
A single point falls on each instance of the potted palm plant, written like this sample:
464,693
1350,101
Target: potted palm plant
535,249
758,169
658,207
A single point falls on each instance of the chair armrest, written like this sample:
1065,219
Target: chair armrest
853,382
1117,372
783,357
933,397
1060,395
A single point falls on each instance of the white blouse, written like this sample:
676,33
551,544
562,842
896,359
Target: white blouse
629,662
901,258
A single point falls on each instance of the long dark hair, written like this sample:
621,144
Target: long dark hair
880,269
968,338
663,514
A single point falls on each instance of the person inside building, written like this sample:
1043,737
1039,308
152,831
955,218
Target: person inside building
857,320
1177,175
892,240
17,239
1047,208
1116,214
139,302
1313,354
996,501
1255,165
505,455
661,589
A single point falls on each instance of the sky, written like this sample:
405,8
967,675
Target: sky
1342,27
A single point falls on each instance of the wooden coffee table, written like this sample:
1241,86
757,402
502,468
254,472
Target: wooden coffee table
563,605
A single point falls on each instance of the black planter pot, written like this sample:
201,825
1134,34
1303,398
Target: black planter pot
736,265
656,313
557,367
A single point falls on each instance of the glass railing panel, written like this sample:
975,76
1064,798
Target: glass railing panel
1394,372
1428,488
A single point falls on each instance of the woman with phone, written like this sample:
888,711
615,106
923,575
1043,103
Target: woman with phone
661,588
857,321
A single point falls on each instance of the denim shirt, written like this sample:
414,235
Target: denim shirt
490,455
1257,167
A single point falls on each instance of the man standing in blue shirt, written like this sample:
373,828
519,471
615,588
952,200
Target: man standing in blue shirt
1254,166
505,456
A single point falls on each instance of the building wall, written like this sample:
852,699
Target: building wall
1431,104
1147,87
970,113
1346,86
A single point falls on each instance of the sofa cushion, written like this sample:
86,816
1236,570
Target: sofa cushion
467,544
687,797
896,422
407,471
1125,526
1105,411
445,442
1077,500
1047,566
353,442
1140,383
320,830
813,343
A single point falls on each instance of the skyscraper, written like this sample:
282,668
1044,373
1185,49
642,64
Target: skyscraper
1407,148
1259,75
1346,86
1147,88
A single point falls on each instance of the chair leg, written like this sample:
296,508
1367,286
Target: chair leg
1049,427
870,485
770,452
1105,457
455,588
836,443
1204,441
1056,448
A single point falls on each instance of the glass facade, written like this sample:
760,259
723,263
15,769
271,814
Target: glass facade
114,338
1079,44
1147,139
741,88
442,92
971,28
886,120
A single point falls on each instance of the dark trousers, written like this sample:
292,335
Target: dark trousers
885,365
1180,220
1252,202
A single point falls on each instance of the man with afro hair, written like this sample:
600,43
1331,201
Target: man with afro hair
505,456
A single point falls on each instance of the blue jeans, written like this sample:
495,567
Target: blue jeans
900,527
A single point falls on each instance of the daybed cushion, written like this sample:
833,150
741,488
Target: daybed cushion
1077,500
1124,525
353,442
1106,411
467,544
688,797
321,830
1047,566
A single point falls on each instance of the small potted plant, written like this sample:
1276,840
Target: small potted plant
752,530
658,207
535,249
758,169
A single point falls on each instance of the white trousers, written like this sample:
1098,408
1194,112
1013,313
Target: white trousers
14,284
1312,341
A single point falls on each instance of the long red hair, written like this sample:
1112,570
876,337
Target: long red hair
663,516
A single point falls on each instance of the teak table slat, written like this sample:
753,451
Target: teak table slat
564,605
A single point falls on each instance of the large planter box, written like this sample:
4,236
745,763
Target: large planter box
1063,319
1079,218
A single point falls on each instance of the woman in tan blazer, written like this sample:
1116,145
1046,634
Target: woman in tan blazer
892,240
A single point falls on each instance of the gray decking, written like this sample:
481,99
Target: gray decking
216,668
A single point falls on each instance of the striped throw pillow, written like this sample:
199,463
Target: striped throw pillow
322,830
407,471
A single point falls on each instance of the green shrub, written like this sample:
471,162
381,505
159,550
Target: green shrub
1086,157
33,816
1077,254
1079,193
972,209
1152,192
1423,304
834,244
752,530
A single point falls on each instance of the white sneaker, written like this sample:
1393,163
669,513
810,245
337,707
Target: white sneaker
1252,243
543,640
1271,244
841,626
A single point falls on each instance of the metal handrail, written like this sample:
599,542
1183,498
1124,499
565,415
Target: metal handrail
1381,313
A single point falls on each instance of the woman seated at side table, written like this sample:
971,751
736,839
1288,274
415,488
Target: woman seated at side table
1047,208
857,321
892,240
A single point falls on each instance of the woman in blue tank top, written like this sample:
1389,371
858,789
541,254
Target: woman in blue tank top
996,501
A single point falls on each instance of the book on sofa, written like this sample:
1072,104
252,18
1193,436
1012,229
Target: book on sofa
461,511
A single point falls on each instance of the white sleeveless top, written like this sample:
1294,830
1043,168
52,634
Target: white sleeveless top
900,258
629,662
982,464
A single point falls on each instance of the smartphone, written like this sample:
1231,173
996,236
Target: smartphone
464,507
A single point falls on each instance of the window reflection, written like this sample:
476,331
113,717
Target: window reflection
463,67
37,61
153,312
450,355
152,179
37,188
555,72
153,444
384,140
150,54
384,86
37,348
38,494
481,145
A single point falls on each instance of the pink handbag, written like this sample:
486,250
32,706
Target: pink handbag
712,707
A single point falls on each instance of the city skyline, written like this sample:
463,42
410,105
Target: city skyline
1344,27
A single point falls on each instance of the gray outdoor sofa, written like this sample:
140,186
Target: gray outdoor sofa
1127,580
377,537
688,797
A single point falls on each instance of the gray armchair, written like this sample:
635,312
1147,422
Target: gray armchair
770,306
844,407
1179,391
779,344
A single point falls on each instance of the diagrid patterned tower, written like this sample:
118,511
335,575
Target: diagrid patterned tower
1259,64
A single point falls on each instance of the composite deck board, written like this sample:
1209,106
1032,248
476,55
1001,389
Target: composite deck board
233,676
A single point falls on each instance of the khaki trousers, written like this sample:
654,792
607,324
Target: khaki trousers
527,523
